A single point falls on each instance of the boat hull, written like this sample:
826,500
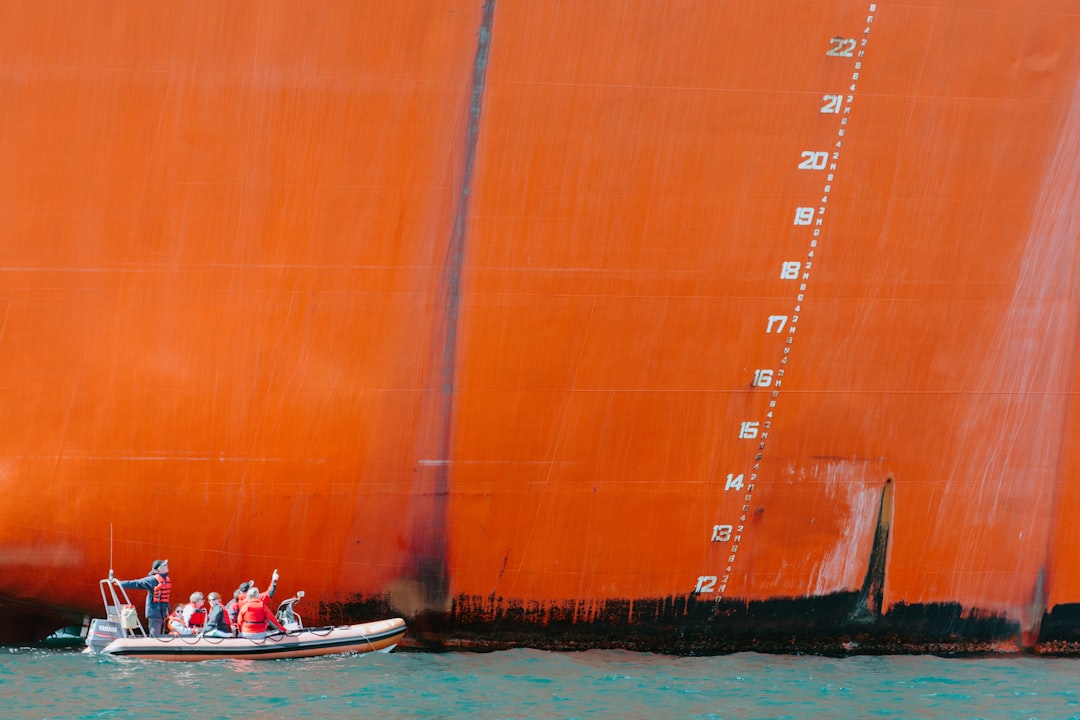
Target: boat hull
686,325
381,636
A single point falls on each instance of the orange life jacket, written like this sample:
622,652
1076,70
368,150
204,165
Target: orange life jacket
252,617
174,622
163,589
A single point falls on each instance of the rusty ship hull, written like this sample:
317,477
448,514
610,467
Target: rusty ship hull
681,326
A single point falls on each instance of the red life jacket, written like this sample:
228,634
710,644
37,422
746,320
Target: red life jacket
163,589
198,615
252,617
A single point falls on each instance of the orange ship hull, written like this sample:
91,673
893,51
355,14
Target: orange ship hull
685,326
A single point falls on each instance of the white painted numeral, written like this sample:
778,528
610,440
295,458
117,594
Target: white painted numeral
779,321
790,271
748,430
833,103
763,378
813,160
734,482
705,584
721,533
804,215
841,47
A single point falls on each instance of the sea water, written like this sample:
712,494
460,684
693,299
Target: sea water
534,684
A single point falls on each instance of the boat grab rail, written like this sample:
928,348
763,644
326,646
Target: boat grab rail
327,630
322,631
111,589
215,639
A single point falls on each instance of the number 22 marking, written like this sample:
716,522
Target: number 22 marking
841,47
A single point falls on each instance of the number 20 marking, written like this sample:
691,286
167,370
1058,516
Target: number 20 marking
813,160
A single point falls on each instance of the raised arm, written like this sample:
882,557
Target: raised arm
273,585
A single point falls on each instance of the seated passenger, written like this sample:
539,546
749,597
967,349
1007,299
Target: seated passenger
238,598
217,620
254,616
195,613
176,623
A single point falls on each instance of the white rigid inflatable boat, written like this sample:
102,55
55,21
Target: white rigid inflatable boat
121,635
379,636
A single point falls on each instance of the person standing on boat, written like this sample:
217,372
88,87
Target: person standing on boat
158,589
217,620
254,616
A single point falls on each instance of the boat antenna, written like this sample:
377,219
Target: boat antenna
110,552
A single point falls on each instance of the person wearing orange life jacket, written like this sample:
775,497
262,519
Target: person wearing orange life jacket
240,596
195,612
176,623
254,616
158,588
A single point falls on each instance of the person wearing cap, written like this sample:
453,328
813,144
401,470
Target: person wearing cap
233,606
158,589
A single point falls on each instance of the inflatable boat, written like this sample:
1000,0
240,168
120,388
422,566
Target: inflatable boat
379,636
121,634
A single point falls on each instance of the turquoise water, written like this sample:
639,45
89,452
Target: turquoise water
534,684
